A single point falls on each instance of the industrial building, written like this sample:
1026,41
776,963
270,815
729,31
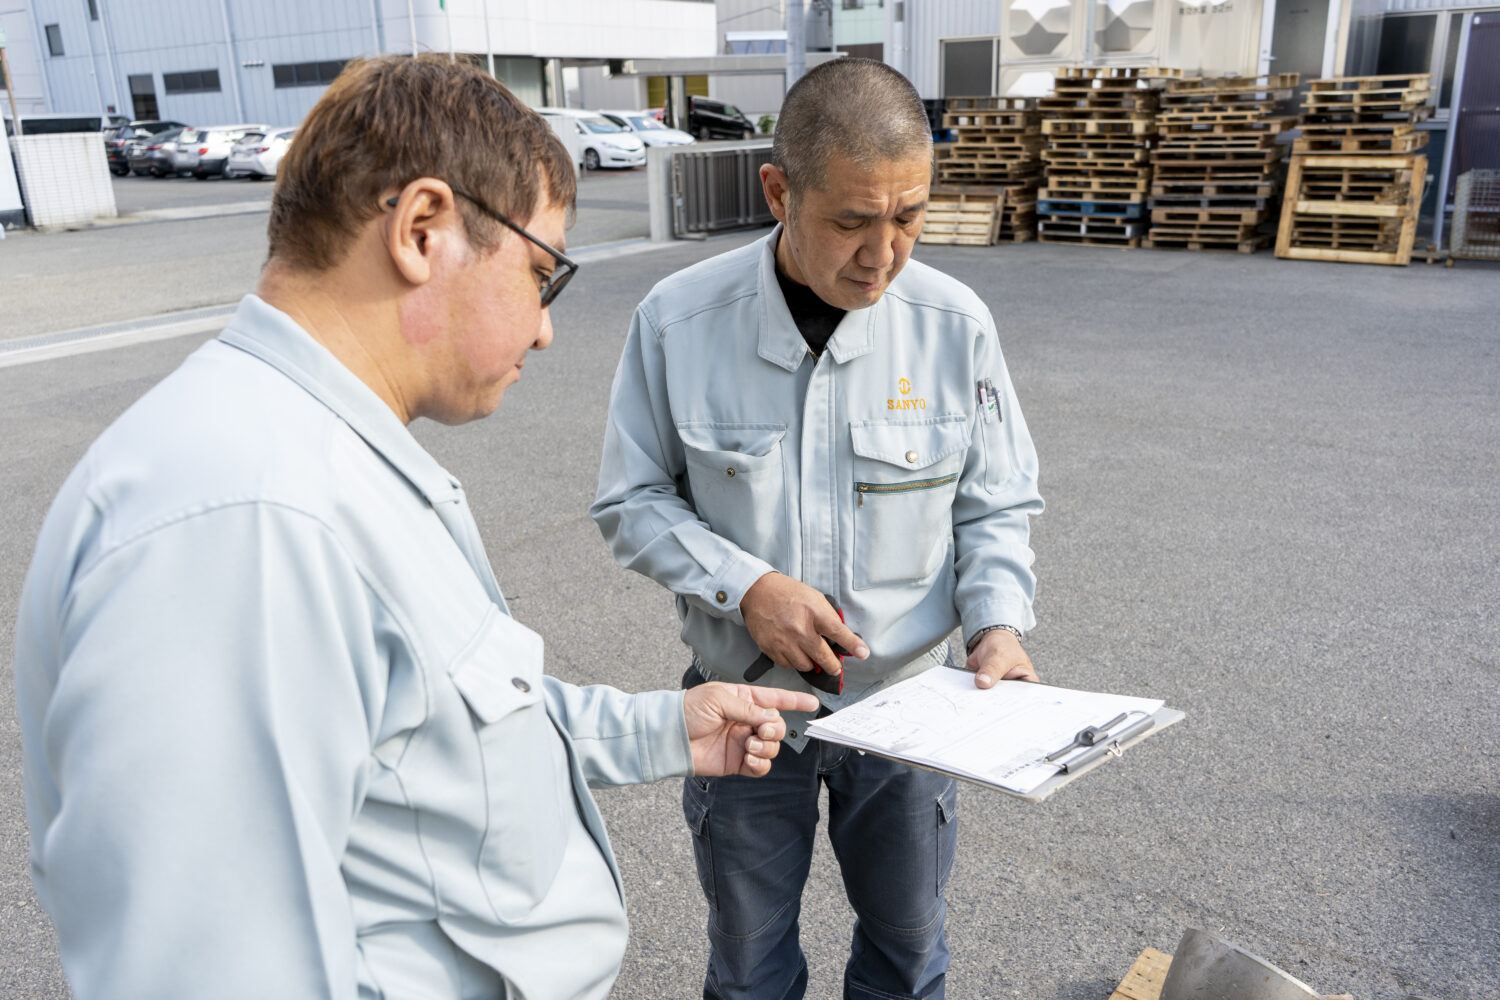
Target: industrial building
269,60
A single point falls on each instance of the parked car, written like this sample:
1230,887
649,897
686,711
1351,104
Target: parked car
651,131
146,156
258,154
716,120
605,144
209,150
117,137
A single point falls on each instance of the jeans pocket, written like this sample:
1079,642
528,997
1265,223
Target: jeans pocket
947,834
697,797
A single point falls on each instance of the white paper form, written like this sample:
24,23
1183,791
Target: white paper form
998,736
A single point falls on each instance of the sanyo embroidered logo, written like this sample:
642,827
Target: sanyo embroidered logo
904,387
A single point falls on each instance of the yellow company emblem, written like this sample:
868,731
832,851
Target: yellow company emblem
905,404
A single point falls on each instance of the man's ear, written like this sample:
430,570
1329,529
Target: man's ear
773,181
424,218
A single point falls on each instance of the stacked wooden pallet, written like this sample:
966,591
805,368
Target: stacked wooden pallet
1355,185
996,144
964,216
1100,124
1217,162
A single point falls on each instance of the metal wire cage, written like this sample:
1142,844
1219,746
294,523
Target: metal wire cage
1476,216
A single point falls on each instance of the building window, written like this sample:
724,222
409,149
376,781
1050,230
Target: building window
197,81
1406,45
93,10
309,74
54,39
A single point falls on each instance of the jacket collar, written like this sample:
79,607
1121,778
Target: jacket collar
269,334
780,341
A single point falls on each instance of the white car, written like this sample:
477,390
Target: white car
203,151
605,144
651,131
257,154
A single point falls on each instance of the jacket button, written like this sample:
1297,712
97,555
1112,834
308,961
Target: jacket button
729,472
520,684
911,457
792,733
721,597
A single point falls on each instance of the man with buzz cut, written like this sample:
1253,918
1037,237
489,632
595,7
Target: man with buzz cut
816,415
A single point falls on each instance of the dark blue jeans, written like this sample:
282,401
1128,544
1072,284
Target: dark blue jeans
893,829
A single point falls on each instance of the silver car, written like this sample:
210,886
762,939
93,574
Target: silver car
202,151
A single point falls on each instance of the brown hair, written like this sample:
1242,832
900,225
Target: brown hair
389,120
860,108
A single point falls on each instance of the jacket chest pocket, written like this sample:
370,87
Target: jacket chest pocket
905,478
527,785
737,484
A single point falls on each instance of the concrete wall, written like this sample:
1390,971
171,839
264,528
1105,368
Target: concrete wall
597,89
754,95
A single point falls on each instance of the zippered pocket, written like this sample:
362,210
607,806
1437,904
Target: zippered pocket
915,485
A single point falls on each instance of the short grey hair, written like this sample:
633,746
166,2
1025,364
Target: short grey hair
860,108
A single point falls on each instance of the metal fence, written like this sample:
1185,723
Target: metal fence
718,189
1476,216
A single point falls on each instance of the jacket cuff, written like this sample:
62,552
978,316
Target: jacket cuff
661,727
727,587
1016,613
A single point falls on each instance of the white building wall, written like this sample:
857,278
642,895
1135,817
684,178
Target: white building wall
24,59
912,43
154,37
567,29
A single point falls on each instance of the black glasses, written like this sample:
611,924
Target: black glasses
554,284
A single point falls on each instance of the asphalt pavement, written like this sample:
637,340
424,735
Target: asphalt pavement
1271,502
182,244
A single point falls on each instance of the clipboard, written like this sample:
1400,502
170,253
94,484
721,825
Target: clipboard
939,722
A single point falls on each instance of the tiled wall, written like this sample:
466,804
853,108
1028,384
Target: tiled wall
64,178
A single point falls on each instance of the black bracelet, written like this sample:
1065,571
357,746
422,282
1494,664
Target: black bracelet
974,639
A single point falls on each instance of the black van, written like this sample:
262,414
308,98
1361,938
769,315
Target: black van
717,120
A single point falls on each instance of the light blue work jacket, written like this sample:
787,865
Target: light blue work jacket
884,473
282,738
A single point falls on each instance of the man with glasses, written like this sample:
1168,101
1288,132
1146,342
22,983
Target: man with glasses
282,737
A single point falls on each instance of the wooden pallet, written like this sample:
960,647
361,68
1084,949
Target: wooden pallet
1173,215
1398,217
1097,126
1099,228
1206,242
1233,84
1380,144
964,219
1145,978
988,104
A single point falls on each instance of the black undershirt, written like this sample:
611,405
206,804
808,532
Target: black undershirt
816,320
